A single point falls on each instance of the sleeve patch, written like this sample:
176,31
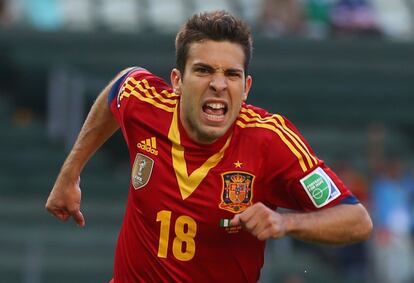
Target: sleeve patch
319,187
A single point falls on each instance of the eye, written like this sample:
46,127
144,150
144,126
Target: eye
203,70
233,74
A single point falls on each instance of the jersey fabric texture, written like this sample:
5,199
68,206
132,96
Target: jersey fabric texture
182,194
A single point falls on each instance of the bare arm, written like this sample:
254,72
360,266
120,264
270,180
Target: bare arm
341,224
65,198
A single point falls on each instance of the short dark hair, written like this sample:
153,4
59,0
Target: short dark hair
217,26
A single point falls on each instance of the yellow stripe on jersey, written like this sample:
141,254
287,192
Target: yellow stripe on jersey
282,121
281,124
165,92
144,87
147,94
277,131
304,152
188,183
280,127
144,95
153,89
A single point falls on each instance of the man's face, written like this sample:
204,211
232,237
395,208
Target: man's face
212,88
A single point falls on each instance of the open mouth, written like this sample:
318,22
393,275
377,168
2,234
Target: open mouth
215,111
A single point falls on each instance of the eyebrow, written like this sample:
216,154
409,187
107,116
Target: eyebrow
215,69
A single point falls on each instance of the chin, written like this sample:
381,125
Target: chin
212,134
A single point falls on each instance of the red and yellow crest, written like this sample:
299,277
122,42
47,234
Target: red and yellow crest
237,191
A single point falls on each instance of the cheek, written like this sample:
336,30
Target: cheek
188,104
197,85
193,91
238,94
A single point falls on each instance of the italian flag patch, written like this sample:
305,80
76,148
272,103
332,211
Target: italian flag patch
225,222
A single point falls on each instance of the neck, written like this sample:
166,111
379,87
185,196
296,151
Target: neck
194,135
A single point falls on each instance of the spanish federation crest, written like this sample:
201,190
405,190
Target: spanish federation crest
237,191
141,170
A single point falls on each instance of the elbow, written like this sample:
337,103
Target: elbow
364,227
367,229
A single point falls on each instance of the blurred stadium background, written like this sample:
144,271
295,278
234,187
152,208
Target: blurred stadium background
341,70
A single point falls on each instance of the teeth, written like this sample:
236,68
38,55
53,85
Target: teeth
215,117
216,105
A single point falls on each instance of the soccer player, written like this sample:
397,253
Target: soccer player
208,171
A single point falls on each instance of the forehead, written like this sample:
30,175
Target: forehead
220,54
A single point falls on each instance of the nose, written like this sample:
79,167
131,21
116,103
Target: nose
218,82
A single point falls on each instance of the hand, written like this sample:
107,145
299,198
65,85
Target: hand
64,200
261,221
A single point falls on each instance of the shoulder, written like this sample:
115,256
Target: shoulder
139,83
260,120
279,136
266,129
142,80
142,74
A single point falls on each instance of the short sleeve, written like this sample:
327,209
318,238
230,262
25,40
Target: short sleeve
299,180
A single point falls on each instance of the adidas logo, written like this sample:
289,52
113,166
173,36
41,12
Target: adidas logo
149,145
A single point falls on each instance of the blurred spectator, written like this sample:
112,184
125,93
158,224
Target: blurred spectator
392,198
81,15
353,260
395,17
282,18
376,139
3,12
43,15
313,18
392,191
354,17
318,17
354,180
11,13
5,16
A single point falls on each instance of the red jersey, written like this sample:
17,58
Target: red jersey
182,193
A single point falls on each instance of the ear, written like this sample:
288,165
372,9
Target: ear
248,85
176,80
